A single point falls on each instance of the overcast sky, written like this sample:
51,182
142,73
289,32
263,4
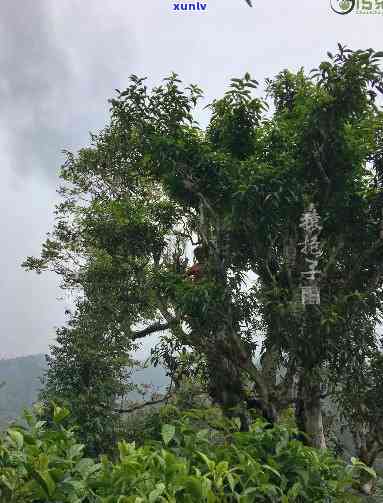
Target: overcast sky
60,60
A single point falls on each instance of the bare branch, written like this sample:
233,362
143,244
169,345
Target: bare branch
143,405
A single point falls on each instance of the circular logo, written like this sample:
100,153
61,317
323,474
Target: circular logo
342,6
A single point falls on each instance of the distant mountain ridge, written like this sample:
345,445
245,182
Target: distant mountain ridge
22,378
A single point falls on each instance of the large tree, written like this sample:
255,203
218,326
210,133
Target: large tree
154,186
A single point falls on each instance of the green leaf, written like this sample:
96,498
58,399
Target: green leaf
59,413
295,491
369,470
203,435
17,438
45,480
273,470
86,467
250,490
360,465
156,493
40,424
10,484
210,464
75,450
77,485
167,432
232,481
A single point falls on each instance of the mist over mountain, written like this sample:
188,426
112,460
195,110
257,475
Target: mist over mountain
22,381
21,378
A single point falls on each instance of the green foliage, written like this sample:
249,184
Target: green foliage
45,464
89,369
154,185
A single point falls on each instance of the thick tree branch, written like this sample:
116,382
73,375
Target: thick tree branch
143,405
318,151
156,327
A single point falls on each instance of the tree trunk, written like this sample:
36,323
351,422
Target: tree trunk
314,424
308,413
368,449
226,388
368,487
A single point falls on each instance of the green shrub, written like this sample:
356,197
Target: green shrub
39,464
215,464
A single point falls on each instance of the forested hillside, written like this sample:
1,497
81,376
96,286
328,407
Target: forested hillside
21,378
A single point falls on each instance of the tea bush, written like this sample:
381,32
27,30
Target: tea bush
46,464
